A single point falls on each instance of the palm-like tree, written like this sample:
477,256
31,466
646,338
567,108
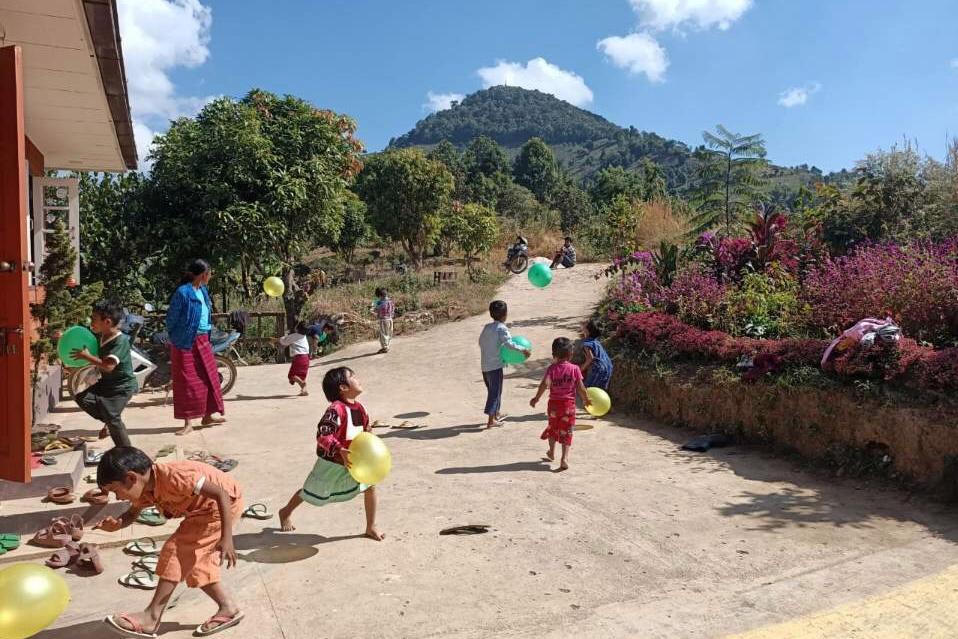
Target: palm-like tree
729,175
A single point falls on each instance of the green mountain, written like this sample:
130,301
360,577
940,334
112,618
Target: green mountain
583,142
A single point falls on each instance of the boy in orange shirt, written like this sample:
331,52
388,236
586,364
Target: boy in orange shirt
209,501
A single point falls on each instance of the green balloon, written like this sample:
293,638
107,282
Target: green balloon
510,356
77,337
540,275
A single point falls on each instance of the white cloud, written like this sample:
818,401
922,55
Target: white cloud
538,74
701,14
441,101
638,53
158,36
798,96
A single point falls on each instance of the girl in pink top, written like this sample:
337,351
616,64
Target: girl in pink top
564,380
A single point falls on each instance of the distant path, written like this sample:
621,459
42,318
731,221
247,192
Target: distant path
638,539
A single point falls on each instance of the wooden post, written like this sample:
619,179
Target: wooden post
15,400
280,319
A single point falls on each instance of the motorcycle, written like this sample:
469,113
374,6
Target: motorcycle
150,353
517,257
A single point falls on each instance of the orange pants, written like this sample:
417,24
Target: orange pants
190,555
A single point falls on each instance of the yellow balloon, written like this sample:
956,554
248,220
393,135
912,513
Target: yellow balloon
369,459
273,286
600,401
31,598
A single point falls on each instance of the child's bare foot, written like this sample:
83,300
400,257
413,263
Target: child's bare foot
563,466
186,430
104,433
374,534
285,521
303,392
209,420
551,455
142,622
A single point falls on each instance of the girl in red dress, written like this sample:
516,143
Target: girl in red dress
563,379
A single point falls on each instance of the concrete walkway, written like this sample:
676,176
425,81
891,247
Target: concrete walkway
638,539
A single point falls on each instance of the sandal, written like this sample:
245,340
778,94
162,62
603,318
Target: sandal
222,623
151,517
132,629
96,496
472,529
89,558
166,450
225,465
73,526
9,541
145,546
62,495
93,457
65,556
56,535
257,511
142,579
147,563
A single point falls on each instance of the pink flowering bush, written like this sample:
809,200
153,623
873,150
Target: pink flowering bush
696,297
916,284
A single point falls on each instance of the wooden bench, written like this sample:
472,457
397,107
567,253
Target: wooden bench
444,277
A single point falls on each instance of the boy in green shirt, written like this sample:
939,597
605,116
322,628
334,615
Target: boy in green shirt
105,400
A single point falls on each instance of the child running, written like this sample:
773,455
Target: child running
384,310
330,481
299,352
494,335
563,379
105,400
597,367
209,501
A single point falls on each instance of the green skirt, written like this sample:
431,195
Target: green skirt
329,482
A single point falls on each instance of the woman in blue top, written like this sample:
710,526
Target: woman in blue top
597,367
196,383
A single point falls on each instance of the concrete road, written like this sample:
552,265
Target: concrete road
638,539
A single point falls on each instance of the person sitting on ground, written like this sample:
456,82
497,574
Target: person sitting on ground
562,379
565,255
105,400
299,353
330,481
209,501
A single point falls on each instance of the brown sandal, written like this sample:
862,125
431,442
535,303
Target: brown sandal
96,496
65,556
63,495
89,558
56,535
72,526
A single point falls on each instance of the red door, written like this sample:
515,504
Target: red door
15,405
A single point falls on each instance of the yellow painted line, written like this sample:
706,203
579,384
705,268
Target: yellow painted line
926,608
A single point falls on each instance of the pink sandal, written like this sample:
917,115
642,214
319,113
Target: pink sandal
65,556
56,535
222,623
135,628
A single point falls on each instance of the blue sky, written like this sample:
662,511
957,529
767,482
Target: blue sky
824,81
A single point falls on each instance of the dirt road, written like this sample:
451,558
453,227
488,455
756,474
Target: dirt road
638,539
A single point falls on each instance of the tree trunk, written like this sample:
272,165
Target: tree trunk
728,184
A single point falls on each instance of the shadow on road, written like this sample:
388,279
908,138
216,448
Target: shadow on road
271,546
425,433
498,468
99,630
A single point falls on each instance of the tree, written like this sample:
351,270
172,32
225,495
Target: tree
536,169
473,228
573,204
61,307
519,204
654,185
406,194
614,181
728,177
622,219
253,186
485,157
112,224
355,229
446,153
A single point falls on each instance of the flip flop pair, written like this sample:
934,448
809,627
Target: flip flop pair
141,579
132,628
145,546
8,542
151,517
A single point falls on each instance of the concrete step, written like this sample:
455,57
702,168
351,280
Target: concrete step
66,472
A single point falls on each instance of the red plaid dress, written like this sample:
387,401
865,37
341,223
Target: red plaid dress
564,379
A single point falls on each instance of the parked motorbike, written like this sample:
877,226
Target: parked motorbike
517,257
149,350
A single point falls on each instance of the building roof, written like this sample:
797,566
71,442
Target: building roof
76,105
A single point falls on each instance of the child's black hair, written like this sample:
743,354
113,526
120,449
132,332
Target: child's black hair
562,348
117,462
301,327
498,310
592,329
333,379
381,292
568,238
196,268
108,309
